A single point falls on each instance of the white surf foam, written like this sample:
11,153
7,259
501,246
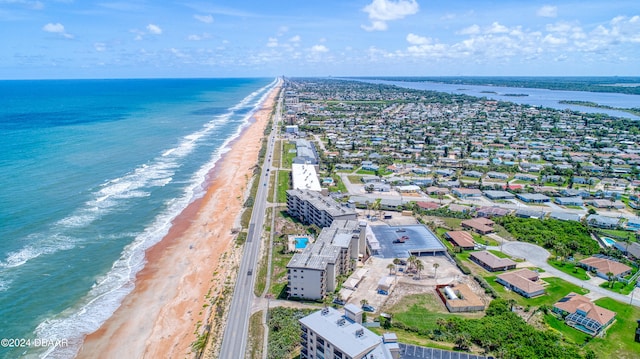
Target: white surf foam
109,291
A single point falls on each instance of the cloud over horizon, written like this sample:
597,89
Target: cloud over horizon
382,11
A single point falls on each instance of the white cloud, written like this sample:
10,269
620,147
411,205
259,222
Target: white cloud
295,38
319,48
154,29
100,46
418,40
56,28
496,28
381,11
207,19
553,40
273,42
548,11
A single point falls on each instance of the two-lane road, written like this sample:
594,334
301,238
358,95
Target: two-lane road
234,342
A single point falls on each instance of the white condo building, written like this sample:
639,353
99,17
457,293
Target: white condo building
312,207
328,334
313,272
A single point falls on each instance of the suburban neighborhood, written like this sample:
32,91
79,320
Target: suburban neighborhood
404,216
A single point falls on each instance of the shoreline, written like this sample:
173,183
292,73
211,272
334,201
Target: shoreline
173,291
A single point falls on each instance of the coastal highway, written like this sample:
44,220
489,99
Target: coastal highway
234,342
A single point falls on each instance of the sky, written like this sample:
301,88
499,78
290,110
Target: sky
265,38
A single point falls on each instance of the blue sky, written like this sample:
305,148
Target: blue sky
164,38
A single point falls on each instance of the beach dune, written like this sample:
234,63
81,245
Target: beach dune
159,318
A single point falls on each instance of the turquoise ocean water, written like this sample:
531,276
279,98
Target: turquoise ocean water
91,174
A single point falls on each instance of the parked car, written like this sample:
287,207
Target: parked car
368,308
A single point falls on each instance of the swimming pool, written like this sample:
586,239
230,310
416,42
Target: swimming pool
301,242
608,241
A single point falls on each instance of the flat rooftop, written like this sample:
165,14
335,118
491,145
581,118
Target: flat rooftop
421,241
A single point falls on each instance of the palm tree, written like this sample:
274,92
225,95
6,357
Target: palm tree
435,270
396,262
390,267
419,267
610,276
411,261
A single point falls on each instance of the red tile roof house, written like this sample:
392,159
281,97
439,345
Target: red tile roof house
428,205
480,225
491,262
603,266
579,312
523,282
462,239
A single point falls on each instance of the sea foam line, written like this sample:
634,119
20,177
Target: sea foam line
113,192
107,295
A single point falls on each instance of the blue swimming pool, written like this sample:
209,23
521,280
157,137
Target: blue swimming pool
608,241
301,242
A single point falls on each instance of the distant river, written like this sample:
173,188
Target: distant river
535,96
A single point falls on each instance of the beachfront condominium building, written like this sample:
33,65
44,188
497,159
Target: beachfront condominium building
312,207
329,334
313,273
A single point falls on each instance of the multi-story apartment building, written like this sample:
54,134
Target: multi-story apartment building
312,273
312,207
328,334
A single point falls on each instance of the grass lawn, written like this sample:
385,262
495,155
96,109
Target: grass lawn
503,232
568,332
619,287
355,179
617,233
556,289
279,263
499,254
488,241
452,222
256,336
618,342
422,311
570,268
413,338
283,185
277,154
366,172
289,154
339,185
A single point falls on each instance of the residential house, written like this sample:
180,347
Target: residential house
533,197
480,224
523,282
565,216
466,192
603,266
491,262
596,220
488,212
530,213
498,195
462,239
579,312
569,201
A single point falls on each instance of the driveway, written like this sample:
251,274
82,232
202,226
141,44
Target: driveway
537,256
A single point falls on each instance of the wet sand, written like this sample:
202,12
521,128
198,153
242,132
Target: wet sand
159,318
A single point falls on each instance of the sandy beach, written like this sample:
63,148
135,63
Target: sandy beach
159,318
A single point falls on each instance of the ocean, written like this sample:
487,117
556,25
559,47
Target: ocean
92,172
